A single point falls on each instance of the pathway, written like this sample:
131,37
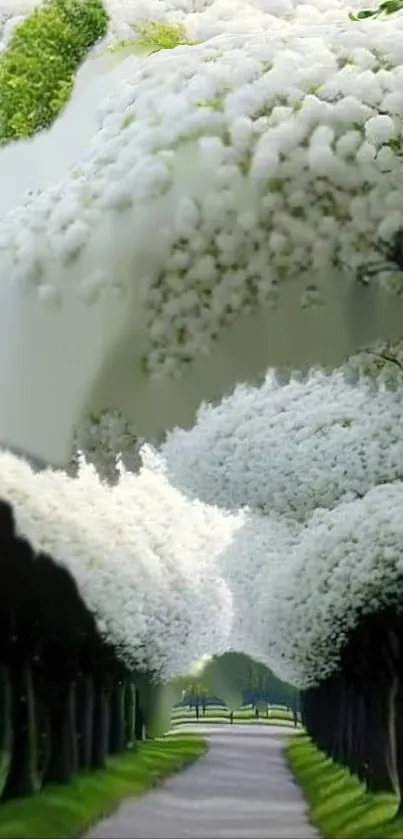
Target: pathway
241,789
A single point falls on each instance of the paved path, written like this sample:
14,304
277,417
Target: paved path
240,790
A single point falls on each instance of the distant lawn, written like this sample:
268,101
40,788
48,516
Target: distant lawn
67,812
338,804
279,715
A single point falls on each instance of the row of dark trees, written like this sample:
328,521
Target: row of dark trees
66,700
356,715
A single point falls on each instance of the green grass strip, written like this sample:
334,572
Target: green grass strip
181,716
226,721
66,812
338,804
37,70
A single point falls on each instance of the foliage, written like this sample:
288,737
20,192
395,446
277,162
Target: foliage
65,813
235,678
153,36
339,806
37,70
388,7
195,690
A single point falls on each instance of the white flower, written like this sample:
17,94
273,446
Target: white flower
380,129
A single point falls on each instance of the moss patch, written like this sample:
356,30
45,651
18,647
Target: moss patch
38,68
338,804
152,36
65,812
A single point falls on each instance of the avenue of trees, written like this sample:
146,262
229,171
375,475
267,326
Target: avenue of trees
236,216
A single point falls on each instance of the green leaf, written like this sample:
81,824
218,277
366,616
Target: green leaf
366,13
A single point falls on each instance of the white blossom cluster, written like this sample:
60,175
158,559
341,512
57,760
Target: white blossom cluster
144,559
299,590
219,173
262,548
204,19
289,449
348,563
319,464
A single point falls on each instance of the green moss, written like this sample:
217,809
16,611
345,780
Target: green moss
153,36
37,70
65,812
161,36
338,804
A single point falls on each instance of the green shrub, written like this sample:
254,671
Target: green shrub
37,70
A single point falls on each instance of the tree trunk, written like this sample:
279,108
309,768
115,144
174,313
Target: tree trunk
43,733
399,747
359,738
130,714
138,716
117,718
100,731
21,779
84,720
5,726
349,725
393,728
63,758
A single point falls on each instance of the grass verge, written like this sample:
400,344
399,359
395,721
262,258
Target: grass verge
338,804
67,812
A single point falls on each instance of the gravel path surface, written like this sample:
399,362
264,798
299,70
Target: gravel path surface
241,789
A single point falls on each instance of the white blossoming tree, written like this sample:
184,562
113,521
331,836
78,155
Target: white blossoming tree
99,586
316,571
234,208
218,222
289,449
